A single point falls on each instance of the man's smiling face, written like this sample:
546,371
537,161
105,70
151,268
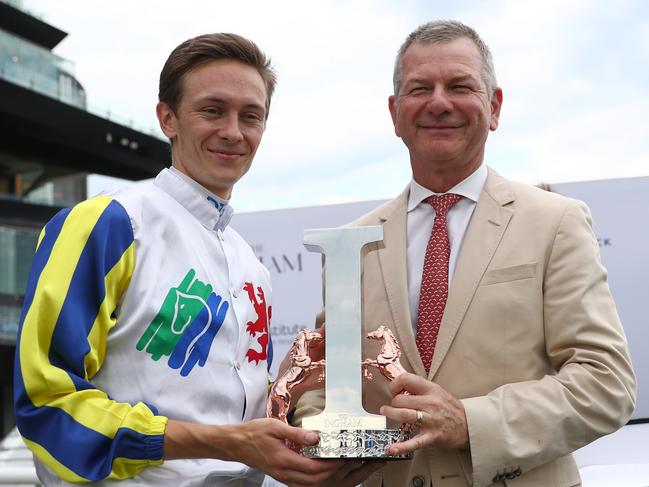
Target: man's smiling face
218,123
443,111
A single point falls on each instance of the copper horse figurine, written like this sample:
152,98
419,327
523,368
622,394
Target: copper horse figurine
301,367
387,361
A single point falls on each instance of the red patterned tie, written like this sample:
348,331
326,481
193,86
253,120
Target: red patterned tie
434,278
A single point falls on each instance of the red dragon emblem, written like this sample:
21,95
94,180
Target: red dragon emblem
261,325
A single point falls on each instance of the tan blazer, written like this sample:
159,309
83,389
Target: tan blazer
530,340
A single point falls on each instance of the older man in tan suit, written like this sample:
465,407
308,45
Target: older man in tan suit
494,289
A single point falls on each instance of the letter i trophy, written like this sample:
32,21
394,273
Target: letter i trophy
346,430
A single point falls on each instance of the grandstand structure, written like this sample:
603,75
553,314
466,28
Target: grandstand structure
50,140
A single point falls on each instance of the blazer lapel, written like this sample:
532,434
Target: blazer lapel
485,231
392,259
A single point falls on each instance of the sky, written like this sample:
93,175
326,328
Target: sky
574,74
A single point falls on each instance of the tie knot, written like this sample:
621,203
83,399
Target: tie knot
442,202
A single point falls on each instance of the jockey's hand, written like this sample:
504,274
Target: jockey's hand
260,443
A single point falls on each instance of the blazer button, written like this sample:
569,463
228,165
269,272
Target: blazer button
517,472
418,481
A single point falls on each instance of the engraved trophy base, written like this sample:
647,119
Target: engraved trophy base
367,444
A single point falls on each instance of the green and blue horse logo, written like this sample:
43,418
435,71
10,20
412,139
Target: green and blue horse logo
186,325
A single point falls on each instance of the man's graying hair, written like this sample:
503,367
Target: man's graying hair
443,31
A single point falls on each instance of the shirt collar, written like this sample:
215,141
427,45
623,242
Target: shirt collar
470,187
213,212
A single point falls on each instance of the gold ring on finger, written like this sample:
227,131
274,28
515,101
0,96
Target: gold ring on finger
420,416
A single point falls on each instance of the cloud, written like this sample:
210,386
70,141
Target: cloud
574,106
574,77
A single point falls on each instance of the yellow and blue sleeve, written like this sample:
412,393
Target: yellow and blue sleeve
83,265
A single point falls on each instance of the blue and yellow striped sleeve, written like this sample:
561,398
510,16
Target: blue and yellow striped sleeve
83,265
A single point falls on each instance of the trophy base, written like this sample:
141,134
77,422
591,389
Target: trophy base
366,444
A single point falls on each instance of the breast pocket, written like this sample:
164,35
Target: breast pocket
508,274
502,335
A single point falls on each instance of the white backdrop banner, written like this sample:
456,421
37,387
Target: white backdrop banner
620,210
277,239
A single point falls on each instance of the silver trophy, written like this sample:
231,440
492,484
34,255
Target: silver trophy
346,430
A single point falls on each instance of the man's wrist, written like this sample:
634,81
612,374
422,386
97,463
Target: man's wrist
192,440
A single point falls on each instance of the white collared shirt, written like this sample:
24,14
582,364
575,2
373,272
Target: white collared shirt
225,211
420,220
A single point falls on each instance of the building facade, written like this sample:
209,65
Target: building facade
49,142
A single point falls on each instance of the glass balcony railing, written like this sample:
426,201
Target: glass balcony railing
35,68
43,84
19,4
32,56
47,185
49,87
53,89
17,247
9,320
